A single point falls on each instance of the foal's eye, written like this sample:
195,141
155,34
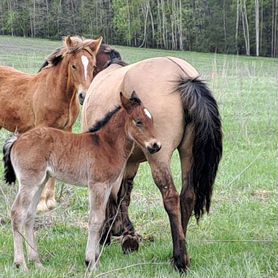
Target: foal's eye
138,123
73,66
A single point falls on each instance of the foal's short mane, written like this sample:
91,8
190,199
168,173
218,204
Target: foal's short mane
101,123
57,55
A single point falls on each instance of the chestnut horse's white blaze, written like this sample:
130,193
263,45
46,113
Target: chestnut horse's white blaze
85,62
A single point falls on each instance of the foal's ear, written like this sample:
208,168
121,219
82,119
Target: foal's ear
95,45
134,99
131,103
126,103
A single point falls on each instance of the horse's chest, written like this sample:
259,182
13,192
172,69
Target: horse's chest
67,116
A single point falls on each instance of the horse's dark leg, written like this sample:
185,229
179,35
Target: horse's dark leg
187,195
171,200
122,225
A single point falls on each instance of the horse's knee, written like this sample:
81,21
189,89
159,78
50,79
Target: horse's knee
14,218
171,202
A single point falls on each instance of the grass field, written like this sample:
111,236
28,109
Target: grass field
237,239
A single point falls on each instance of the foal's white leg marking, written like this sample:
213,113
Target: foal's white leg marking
85,63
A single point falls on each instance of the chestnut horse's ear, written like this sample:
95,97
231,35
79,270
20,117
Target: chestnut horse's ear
69,42
95,45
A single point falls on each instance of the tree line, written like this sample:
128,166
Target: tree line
228,26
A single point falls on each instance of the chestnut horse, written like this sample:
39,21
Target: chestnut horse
50,97
187,119
96,158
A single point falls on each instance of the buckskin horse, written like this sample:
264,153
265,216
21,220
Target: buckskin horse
186,118
50,97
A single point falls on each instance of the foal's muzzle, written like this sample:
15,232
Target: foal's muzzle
154,148
81,97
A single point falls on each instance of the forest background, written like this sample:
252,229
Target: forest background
247,27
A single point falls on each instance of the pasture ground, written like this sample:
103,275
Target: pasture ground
237,239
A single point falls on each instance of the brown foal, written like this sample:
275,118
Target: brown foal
50,97
96,158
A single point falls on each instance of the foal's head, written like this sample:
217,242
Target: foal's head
139,125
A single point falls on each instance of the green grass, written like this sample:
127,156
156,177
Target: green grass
237,239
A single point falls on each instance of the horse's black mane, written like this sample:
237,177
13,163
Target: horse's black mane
116,58
101,123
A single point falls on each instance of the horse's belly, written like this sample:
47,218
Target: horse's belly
70,178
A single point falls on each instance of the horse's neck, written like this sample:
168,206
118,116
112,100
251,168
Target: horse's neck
58,83
115,135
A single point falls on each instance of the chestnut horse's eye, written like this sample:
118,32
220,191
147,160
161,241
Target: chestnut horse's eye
73,66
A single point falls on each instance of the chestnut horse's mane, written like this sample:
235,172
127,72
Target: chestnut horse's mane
55,57
78,43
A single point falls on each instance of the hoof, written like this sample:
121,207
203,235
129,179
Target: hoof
51,203
90,265
181,265
42,207
21,266
130,244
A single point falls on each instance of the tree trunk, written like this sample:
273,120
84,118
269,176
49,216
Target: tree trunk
224,25
237,23
245,27
257,26
180,27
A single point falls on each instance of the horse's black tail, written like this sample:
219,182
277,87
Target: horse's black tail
201,110
9,172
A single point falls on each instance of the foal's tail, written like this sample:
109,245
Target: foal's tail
9,172
202,111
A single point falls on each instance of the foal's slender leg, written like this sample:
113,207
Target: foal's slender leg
187,195
162,177
18,215
47,200
98,198
32,249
